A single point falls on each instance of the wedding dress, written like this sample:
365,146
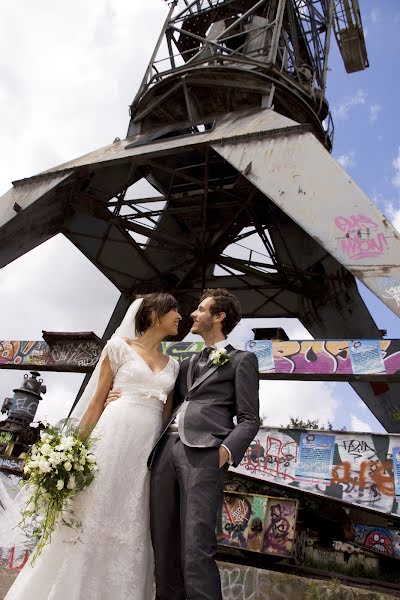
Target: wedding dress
113,557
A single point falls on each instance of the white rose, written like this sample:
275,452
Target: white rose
67,466
91,458
71,485
60,484
46,449
69,442
44,436
44,466
59,447
55,458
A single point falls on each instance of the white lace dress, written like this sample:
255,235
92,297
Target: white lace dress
114,558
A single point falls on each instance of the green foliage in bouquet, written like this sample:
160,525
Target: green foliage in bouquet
57,467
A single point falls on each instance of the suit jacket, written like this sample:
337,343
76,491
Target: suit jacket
208,405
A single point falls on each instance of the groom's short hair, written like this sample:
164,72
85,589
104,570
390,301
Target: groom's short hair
225,302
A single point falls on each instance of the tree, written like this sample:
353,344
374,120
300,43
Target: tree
300,423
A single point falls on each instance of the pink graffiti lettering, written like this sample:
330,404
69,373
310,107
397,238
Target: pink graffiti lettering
13,565
355,225
361,238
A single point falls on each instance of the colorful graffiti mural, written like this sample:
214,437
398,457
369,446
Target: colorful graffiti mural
361,465
80,356
335,359
258,523
383,540
304,359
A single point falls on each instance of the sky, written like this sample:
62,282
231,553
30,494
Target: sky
68,72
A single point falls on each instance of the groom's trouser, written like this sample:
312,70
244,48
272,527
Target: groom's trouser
186,494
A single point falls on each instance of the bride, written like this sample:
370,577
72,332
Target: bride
113,558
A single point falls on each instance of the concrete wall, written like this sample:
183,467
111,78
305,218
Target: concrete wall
6,579
246,583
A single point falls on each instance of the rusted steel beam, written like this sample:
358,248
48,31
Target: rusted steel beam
330,360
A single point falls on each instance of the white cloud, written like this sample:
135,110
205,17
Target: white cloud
375,16
396,165
374,111
342,111
357,424
280,400
347,160
69,72
394,216
67,81
54,287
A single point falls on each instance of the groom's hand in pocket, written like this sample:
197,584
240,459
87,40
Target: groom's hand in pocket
112,395
223,456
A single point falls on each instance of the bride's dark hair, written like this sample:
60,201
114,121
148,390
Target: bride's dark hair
159,302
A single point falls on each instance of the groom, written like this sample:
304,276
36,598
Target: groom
189,459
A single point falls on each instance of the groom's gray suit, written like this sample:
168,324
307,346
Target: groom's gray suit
186,481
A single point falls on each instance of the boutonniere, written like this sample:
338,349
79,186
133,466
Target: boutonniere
219,357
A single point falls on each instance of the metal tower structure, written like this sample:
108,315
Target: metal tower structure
231,127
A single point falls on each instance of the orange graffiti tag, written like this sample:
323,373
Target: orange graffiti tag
373,472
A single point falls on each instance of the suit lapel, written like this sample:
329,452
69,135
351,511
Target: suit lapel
190,371
209,371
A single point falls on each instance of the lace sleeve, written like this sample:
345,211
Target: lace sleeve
176,367
114,351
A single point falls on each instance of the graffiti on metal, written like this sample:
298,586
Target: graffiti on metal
333,358
80,355
303,359
361,237
361,465
390,289
10,463
182,350
26,353
257,523
383,540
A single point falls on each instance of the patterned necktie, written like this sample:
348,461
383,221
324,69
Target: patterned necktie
204,354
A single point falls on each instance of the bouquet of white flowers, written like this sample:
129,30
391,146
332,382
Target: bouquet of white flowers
58,466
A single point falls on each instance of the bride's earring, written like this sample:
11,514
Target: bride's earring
158,323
